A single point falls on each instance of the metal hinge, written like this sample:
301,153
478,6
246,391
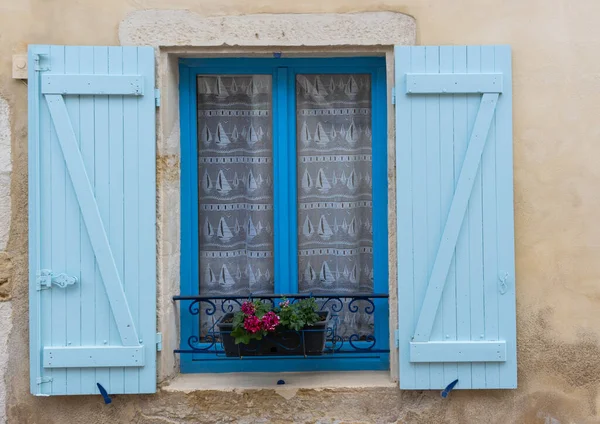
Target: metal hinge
393,95
158,342
38,62
46,279
397,338
157,97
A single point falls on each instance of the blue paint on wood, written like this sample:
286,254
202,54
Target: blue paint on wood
78,173
455,219
449,83
91,217
93,84
94,357
475,351
454,163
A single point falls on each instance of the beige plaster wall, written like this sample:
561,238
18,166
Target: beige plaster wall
556,89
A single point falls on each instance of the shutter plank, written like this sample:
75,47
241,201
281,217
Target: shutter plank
490,230
419,189
506,246
72,239
41,318
433,193
461,252
475,216
131,206
115,176
147,214
88,261
33,168
58,177
101,191
448,305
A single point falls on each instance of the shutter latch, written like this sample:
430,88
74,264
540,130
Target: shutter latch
42,380
39,381
46,279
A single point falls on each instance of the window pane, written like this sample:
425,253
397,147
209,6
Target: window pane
235,172
334,188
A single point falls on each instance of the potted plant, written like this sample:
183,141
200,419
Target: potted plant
261,328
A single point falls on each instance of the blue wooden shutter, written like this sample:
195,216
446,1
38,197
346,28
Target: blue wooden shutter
92,280
456,285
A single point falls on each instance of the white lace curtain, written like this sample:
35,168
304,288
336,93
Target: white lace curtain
334,177
235,169
335,236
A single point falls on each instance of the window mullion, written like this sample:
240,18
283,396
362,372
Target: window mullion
292,210
282,182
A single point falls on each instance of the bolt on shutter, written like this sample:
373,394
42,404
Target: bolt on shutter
456,285
92,272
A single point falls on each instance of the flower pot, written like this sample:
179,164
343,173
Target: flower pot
308,341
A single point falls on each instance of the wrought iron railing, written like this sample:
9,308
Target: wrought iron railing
342,335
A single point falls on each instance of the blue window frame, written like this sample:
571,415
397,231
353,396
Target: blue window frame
283,72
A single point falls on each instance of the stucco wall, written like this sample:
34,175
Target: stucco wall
556,89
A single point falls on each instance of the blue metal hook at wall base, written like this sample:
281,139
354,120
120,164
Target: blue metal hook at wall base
448,389
104,394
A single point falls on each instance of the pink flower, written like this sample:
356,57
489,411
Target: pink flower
285,304
252,324
248,308
269,321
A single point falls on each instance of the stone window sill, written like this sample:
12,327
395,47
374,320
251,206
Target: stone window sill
293,381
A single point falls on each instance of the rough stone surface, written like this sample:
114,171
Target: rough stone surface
5,169
184,28
556,89
5,327
5,276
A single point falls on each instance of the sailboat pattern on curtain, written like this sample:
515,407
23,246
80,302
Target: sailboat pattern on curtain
335,234
235,173
334,183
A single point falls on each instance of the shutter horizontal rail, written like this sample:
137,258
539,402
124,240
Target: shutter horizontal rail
453,83
93,356
132,85
475,351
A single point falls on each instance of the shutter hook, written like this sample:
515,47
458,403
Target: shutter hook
448,389
104,394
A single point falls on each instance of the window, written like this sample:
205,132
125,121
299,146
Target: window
284,191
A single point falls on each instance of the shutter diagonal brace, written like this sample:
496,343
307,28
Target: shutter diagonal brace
456,215
92,219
